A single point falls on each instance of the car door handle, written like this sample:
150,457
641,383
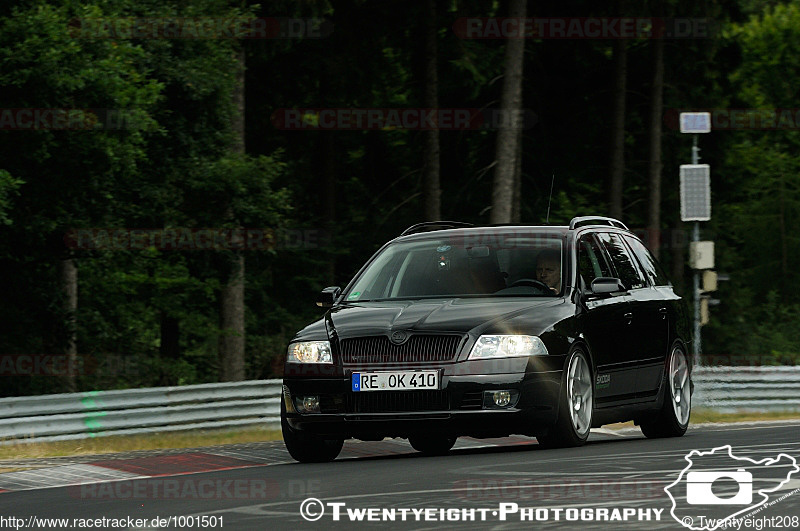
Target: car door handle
663,312
629,317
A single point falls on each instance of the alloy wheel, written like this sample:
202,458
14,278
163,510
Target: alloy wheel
679,386
579,387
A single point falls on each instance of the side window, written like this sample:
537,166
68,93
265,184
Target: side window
651,267
591,261
623,262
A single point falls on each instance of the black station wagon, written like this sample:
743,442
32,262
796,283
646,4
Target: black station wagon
454,330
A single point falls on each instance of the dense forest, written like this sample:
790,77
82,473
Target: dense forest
172,200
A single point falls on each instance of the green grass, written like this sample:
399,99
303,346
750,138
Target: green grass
129,443
700,415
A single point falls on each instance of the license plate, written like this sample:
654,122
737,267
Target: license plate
395,381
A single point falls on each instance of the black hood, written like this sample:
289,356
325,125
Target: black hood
477,315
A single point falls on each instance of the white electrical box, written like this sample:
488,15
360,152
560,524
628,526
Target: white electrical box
701,255
709,281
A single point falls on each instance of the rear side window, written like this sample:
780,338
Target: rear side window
623,262
591,261
651,267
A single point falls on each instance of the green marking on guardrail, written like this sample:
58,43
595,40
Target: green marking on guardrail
92,421
88,400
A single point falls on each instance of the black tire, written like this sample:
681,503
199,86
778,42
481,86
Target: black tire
564,433
308,448
432,445
666,422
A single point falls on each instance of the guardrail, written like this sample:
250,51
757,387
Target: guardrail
257,403
747,389
134,411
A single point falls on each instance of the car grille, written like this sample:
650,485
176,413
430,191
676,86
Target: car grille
418,348
397,401
472,400
331,404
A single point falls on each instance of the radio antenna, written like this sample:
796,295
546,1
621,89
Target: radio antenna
550,199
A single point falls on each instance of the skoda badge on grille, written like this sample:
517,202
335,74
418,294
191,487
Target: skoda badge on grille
398,337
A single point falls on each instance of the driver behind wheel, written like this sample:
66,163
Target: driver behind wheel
548,269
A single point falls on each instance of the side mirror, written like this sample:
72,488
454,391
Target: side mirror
328,296
602,285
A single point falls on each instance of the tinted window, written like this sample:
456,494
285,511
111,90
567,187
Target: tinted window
623,262
591,261
649,264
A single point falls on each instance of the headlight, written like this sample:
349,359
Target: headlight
488,347
310,352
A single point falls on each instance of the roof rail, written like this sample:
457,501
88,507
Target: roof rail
428,226
596,220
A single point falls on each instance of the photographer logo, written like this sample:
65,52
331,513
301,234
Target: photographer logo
719,490
699,491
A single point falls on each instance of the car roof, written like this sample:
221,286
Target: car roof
482,231
460,227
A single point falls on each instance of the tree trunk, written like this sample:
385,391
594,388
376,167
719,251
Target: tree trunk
618,129
507,150
170,337
231,342
69,287
656,111
516,200
169,348
232,310
237,122
329,200
430,157
784,239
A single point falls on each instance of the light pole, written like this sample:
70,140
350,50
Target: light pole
696,206
698,338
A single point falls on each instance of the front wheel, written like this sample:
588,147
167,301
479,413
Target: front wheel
432,445
575,406
673,418
307,448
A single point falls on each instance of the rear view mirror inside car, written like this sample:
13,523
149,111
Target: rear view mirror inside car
479,251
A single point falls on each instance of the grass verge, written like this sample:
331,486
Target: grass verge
130,443
194,439
701,415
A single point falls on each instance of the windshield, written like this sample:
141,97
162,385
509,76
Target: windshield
495,264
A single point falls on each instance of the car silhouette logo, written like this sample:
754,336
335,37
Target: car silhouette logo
398,337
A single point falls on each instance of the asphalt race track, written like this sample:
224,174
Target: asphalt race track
618,478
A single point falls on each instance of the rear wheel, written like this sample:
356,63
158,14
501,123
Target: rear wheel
673,418
308,448
575,407
431,445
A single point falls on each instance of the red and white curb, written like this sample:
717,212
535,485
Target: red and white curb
119,469
178,464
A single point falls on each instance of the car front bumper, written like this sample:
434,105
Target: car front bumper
463,406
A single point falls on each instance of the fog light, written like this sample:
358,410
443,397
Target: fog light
311,403
501,398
